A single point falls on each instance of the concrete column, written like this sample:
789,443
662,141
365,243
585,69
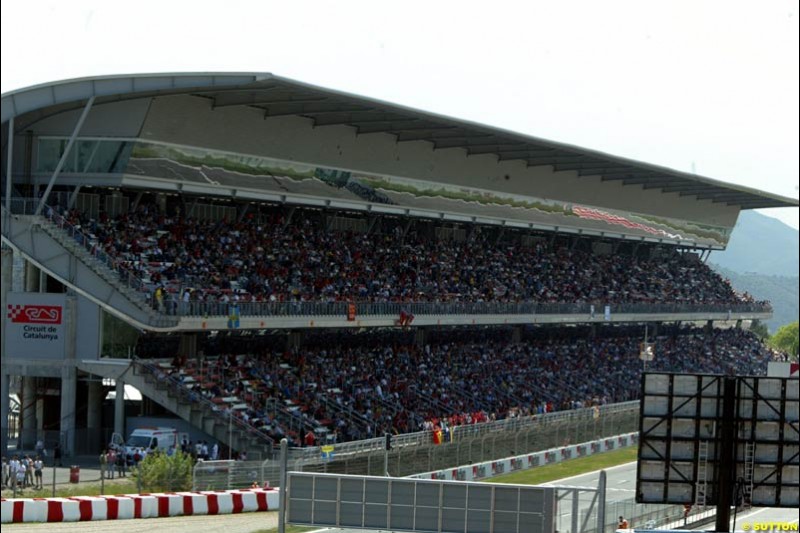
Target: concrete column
420,336
69,380
5,409
69,389
28,413
94,405
6,279
119,409
31,277
295,339
42,281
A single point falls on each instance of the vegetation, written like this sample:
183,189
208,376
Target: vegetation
785,339
781,291
573,467
160,472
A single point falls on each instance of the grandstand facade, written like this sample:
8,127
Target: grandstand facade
295,256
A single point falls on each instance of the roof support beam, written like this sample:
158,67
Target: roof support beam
499,148
307,110
464,141
584,170
716,196
670,186
399,129
65,155
257,102
9,161
559,161
354,122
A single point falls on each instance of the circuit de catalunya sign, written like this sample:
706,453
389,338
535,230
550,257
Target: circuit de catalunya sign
35,325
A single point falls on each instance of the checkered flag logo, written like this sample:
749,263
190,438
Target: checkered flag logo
14,311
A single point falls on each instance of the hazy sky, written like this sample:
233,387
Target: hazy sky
711,85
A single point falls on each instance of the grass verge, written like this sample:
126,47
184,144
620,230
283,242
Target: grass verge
573,467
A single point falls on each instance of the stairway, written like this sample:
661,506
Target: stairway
189,406
132,288
63,256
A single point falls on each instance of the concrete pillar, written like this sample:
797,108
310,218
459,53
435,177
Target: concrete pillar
119,409
5,409
188,345
6,279
69,380
69,390
295,339
28,413
31,277
94,404
419,337
42,281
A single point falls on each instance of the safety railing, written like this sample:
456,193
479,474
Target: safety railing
210,408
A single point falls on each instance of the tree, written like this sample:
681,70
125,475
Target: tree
786,339
160,472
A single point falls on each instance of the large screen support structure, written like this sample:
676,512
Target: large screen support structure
715,440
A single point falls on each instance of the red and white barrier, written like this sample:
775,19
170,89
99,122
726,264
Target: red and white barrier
125,506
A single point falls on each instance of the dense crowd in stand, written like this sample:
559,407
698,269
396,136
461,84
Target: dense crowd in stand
282,258
348,386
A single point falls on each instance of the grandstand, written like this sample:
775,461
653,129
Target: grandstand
300,261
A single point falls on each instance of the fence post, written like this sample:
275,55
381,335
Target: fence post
54,478
284,478
601,502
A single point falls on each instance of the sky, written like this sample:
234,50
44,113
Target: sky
709,87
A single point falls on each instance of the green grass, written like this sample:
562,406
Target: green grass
92,488
573,467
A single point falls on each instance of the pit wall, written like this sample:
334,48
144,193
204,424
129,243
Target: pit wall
488,469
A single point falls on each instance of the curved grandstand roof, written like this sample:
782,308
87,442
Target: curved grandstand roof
277,96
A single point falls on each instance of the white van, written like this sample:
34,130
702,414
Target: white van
150,439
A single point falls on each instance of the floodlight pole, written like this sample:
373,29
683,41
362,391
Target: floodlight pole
726,449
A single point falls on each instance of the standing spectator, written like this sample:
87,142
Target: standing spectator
28,462
215,452
122,462
57,454
103,463
38,465
310,438
111,463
